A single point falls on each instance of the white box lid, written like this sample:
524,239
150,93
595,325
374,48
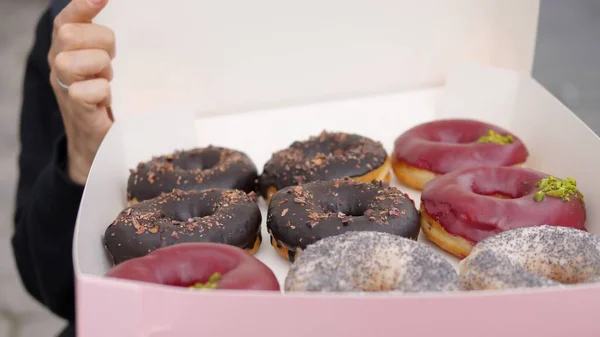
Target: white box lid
232,55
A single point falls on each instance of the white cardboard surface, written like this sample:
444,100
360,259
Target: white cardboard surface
234,55
559,143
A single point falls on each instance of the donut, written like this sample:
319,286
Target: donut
370,261
325,157
199,265
298,216
527,257
214,215
466,206
436,148
195,169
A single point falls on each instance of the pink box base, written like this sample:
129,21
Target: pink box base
117,308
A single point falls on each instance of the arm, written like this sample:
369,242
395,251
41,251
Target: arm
61,130
47,200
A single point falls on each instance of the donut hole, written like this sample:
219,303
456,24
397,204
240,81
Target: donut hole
499,194
383,280
562,275
196,267
186,211
330,145
347,208
454,137
499,183
456,132
327,151
566,271
197,161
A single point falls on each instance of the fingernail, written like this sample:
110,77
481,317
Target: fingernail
96,2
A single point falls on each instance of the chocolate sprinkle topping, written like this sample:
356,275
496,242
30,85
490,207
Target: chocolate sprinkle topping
370,261
326,208
324,157
196,169
214,215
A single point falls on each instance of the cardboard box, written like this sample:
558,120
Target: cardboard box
234,55
290,70
122,308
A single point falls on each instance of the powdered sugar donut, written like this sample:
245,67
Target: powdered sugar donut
370,261
532,257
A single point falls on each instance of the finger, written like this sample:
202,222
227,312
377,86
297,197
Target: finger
78,11
79,65
78,36
91,93
110,114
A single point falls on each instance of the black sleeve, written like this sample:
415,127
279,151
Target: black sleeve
47,200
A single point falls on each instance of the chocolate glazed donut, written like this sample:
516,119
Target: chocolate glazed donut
301,215
196,169
325,157
220,216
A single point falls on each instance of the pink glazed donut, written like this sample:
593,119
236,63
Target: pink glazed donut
439,147
466,206
199,265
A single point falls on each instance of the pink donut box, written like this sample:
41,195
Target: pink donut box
257,75
108,307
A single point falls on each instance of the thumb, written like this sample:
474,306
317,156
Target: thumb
79,11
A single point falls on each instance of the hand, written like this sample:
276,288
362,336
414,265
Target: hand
80,58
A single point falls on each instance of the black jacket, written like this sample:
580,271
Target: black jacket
47,200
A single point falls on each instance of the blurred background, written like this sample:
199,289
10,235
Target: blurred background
567,63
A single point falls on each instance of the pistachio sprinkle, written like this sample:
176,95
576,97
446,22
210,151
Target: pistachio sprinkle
557,188
210,284
494,137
